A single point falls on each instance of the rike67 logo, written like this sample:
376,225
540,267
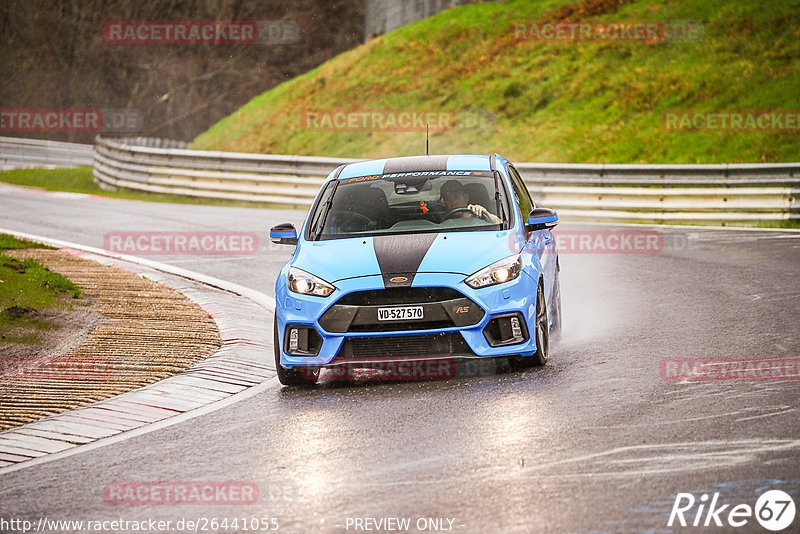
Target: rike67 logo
774,510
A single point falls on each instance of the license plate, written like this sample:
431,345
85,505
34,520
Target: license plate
404,313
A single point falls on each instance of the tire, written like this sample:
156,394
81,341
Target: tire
555,331
542,332
306,376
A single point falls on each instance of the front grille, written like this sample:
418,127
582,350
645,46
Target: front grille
398,327
443,307
402,347
399,296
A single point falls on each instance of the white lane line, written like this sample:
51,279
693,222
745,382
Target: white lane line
67,194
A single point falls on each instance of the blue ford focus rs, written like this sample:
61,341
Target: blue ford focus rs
413,259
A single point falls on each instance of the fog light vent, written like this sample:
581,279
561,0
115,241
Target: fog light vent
302,340
507,329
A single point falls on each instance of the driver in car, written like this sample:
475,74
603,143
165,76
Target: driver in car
455,196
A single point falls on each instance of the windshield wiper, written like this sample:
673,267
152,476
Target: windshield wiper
500,209
315,232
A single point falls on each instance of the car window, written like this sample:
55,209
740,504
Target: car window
521,198
433,201
516,176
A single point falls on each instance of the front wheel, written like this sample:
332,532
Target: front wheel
303,376
542,329
542,333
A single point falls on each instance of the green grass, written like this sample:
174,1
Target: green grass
791,225
547,101
9,242
80,180
27,286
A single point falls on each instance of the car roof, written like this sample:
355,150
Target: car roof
454,162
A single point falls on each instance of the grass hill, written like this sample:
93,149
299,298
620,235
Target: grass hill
551,100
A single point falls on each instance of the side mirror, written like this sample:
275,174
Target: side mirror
283,234
542,219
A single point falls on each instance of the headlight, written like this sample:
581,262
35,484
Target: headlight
497,273
308,284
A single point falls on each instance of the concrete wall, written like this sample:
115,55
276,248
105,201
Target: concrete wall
386,15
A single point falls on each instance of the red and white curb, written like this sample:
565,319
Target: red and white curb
242,367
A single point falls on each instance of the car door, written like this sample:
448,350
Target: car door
539,243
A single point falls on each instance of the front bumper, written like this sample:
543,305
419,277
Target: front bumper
348,334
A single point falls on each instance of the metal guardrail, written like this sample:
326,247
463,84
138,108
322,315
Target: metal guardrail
727,193
286,180
153,142
26,153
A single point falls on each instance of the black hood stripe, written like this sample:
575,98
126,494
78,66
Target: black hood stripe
401,256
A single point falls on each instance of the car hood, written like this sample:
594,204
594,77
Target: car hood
452,252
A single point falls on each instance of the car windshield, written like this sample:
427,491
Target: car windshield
408,202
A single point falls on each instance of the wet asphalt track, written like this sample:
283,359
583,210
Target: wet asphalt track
595,441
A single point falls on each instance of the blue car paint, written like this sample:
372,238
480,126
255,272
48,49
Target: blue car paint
325,258
282,234
350,265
